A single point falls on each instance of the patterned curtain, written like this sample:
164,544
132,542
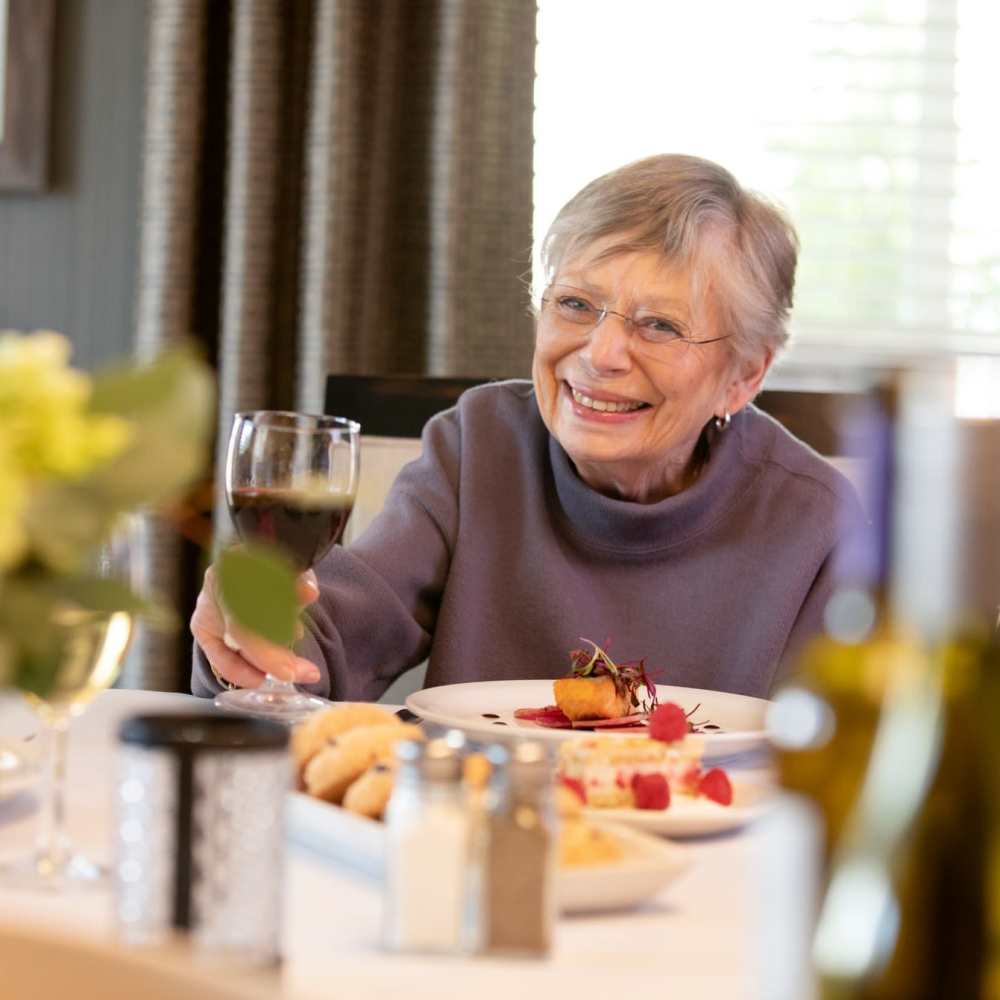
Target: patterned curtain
330,186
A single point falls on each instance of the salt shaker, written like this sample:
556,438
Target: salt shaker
200,831
427,834
516,854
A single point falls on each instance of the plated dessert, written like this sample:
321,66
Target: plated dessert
643,772
600,694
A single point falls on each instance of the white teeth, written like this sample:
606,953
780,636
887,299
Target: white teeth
603,405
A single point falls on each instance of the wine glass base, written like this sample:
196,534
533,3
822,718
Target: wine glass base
54,875
264,703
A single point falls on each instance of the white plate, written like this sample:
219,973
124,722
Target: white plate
466,706
649,866
690,817
358,843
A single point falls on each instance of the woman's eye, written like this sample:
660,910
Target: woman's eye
659,326
574,304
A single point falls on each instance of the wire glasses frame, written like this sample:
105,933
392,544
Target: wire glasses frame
571,307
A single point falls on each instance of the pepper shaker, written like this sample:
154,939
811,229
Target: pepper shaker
516,854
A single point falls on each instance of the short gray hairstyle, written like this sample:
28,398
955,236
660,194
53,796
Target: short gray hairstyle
741,249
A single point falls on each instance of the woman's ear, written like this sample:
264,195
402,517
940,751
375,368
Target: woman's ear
747,381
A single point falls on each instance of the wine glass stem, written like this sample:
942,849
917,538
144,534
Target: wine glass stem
273,685
52,847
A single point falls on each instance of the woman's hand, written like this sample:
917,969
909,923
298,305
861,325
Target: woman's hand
241,657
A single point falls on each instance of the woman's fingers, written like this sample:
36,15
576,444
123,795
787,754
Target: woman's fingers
229,665
236,653
307,588
279,661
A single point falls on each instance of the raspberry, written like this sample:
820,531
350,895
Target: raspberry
715,785
650,791
668,723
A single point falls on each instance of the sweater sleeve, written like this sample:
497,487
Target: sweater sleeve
379,599
846,563
809,622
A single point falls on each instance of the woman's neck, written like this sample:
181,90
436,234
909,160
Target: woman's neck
646,483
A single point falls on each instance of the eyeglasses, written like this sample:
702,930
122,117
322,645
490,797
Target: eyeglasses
569,309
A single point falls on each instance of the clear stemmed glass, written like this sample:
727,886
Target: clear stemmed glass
291,479
94,648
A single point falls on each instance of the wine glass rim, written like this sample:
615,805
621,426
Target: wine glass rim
323,421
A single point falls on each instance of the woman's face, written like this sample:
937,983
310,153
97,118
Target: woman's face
629,412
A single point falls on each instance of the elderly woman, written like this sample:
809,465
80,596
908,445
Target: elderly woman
630,492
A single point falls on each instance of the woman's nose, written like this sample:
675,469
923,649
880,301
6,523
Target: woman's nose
607,348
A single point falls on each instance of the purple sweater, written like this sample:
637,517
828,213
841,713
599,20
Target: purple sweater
493,558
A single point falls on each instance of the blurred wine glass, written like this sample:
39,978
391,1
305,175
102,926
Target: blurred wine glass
291,480
93,645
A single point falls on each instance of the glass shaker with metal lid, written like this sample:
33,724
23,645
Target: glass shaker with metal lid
516,853
427,834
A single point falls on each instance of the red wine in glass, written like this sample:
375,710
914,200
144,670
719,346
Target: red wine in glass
291,480
305,527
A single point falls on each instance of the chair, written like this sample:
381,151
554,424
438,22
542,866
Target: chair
816,417
392,411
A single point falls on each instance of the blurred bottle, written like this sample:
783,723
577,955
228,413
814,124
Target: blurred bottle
825,719
891,730
942,889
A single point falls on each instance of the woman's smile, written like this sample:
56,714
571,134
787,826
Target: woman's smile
599,406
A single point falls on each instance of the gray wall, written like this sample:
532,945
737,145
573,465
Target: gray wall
68,255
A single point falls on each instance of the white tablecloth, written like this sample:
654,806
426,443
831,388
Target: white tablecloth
733,926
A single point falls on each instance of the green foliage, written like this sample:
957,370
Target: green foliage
257,586
169,408
78,454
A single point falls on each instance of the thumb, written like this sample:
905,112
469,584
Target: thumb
307,588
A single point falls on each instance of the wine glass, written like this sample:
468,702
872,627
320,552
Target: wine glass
291,479
93,647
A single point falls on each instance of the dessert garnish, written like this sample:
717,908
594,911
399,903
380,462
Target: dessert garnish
668,723
715,785
650,791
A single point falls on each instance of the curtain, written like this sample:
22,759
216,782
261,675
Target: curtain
330,186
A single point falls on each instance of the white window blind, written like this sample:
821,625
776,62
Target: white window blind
874,122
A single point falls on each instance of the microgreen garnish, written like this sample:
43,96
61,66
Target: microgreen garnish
628,677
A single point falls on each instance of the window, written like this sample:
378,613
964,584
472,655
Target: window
872,121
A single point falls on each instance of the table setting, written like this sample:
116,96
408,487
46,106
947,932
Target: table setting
697,930
162,828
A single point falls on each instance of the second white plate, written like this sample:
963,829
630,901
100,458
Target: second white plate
690,817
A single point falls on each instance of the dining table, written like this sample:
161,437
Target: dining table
734,925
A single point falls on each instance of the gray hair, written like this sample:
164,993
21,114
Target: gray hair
740,249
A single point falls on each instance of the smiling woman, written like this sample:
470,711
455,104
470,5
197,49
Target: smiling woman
631,490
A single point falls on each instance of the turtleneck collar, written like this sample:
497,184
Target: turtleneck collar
621,526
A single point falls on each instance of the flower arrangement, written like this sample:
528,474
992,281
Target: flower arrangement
76,453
